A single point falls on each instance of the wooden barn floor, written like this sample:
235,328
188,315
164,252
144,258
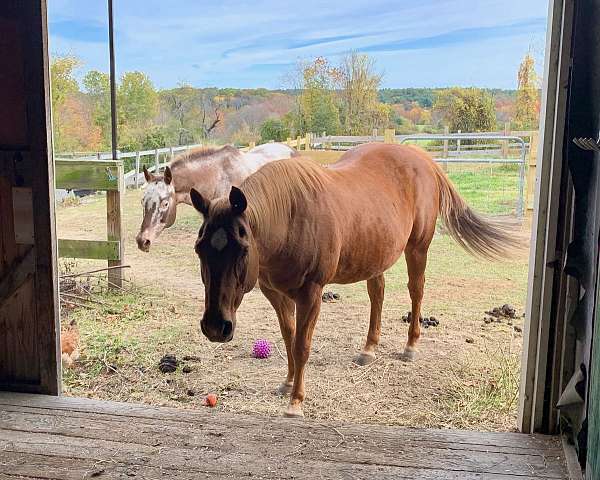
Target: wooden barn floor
69,438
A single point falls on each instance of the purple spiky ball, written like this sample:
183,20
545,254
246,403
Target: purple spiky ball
261,349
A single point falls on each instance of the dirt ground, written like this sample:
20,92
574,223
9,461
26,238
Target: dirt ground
466,374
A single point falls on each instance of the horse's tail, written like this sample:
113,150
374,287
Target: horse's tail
475,233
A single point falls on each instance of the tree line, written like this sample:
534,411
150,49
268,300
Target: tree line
339,99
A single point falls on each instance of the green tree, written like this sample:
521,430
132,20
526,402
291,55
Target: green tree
97,87
318,104
361,109
273,129
466,109
137,99
528,95
137,106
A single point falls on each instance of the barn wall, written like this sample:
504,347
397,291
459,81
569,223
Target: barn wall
28,307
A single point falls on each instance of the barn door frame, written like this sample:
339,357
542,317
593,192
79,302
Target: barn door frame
29,307
541,351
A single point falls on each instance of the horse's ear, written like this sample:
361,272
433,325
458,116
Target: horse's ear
147,175
168,177
238,201
199,202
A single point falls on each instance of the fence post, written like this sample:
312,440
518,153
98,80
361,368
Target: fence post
156,161
307,140
505,142
374,135
114,229
288,140
458,143
171,154
298,138
531,171
445,152
137,169
389,135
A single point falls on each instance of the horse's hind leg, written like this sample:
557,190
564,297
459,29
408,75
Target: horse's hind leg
284,307
376,288
416,261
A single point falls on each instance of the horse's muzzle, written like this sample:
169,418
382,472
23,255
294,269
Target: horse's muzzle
220,331
143,243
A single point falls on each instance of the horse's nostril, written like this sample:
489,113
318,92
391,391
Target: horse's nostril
146,243
227,328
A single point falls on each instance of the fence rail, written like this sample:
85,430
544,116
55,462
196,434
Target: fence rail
97,175
492,149
458,137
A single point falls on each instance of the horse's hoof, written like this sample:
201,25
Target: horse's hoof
293,411
364,358
285,388
408,355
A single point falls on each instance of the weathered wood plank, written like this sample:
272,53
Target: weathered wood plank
18,272
87,175
131,412
270,461
46,420
114,228
68,468
17,318
93,249
59,434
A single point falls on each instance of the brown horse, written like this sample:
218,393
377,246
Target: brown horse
296,226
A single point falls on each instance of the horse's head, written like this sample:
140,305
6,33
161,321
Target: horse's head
229,261
160,208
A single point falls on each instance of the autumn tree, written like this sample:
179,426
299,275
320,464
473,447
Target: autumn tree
63,86
466,109
77,129
193,114
361,109
97,87
528,97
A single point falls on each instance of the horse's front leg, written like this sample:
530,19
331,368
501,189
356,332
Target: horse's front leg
284,307
308,306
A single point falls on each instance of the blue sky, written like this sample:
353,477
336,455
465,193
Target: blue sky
254,43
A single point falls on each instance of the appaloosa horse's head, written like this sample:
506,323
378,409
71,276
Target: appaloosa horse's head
160,208
229,261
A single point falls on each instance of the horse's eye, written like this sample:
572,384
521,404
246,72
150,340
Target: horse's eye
242,232
164,204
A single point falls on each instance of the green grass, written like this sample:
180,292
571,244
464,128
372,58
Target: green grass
492,189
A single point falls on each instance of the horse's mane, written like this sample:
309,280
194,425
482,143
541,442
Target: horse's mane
275,190
203,153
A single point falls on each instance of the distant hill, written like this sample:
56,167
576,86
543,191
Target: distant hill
425,97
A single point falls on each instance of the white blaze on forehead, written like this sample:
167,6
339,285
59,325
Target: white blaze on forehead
219,239
154,193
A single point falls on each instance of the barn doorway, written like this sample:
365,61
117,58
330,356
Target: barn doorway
46,389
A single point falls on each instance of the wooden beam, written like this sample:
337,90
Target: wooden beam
114,228
21,269
542,265
91,249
